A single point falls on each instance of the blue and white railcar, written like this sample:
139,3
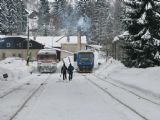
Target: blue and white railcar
84,60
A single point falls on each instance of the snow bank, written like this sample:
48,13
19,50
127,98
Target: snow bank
146,80
18,73
16,67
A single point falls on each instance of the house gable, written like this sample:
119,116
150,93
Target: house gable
18,43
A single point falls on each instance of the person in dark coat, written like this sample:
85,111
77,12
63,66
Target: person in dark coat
64,71
70,71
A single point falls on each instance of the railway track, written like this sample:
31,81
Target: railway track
27,98
16,88
125,89
109,88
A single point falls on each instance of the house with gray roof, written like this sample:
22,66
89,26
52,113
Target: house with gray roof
13,46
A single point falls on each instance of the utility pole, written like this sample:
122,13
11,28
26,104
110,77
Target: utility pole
28,56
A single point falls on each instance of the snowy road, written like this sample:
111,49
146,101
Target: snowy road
78,99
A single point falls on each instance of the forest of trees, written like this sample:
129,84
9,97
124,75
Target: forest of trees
100,21
13,17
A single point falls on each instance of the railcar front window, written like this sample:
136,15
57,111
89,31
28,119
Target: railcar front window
86,57
47,57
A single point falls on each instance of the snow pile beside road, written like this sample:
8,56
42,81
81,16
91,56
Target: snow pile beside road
18,73
147,80
15,68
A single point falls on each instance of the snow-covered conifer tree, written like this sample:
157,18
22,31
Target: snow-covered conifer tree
11,16
100,20
61,10
83,11
3,17
142,45
21,17
117,11
70,19
43,22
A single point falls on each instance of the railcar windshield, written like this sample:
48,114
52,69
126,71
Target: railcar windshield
84,57
47,57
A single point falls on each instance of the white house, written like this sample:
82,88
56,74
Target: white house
71,44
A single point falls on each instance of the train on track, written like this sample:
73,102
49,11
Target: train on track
84,61
47,60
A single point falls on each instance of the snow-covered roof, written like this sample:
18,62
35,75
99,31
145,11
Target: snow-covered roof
7,36
2,36
56,41
47,51
85,51
97,47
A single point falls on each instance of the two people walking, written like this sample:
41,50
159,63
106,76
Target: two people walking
64,71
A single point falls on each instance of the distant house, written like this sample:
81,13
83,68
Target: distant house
17,47
118,51
71,44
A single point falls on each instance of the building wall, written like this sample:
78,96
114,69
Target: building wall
22,53
71,48
118,52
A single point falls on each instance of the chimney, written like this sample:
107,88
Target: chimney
79,38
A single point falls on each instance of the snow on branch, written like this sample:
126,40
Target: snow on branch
133,3
120,37
148,6
156,14
130,10
156,41
157,56
115,39
157,3
142,32
142,19
147,35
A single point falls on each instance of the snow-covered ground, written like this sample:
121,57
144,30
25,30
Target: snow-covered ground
146,80
79,99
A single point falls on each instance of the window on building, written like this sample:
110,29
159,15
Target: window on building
8,44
